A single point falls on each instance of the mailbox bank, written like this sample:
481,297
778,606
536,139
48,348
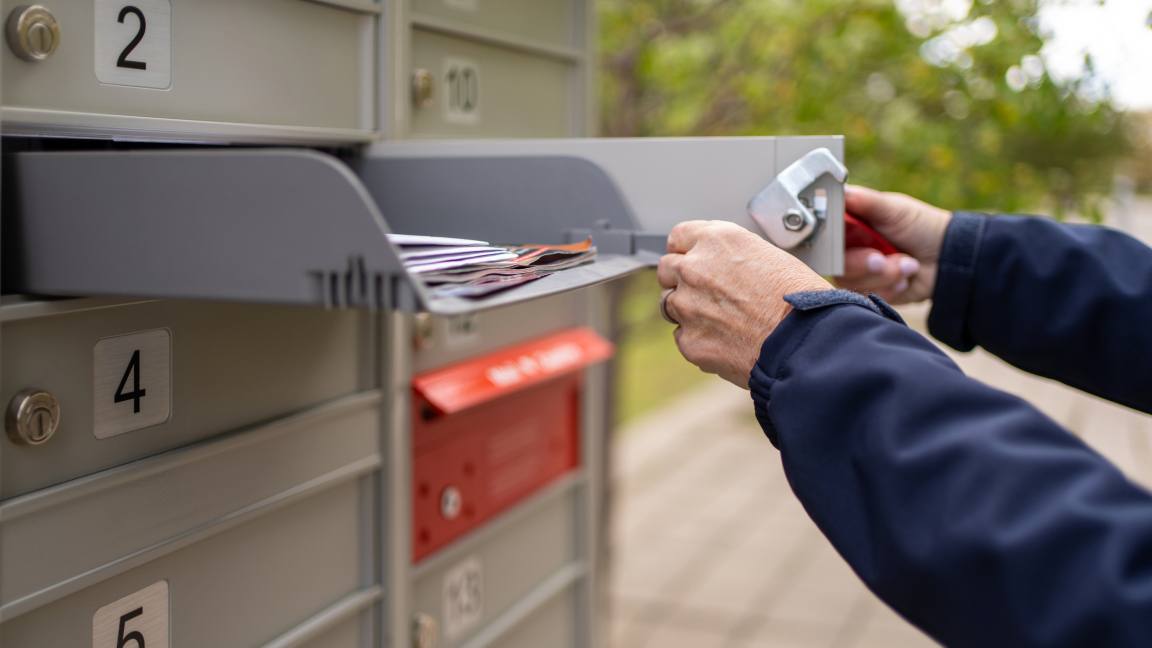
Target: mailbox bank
233,417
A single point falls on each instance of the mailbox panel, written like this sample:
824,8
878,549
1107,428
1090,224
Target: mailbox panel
57,540
488,91
210,69
505,564
243,587
489,457
231,365
554,22
554,624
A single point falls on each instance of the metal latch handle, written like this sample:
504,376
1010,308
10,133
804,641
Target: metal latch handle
778,209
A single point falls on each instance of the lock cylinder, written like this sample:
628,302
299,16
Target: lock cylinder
32,418
33,32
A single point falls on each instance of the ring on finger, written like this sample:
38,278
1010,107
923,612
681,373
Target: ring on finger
664,306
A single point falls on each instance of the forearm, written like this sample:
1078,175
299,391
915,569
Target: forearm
969,512
1072,303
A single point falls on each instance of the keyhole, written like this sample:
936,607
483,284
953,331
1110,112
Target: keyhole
40,38
41,421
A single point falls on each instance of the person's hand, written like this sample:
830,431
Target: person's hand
914,227
727,294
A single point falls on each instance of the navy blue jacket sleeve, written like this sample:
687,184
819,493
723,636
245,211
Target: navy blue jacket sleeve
1069,302
965,509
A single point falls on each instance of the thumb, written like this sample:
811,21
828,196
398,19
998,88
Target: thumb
868,205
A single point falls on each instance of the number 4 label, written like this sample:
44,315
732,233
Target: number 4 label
139,620
133,382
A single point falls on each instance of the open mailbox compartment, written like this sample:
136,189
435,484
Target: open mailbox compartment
295,226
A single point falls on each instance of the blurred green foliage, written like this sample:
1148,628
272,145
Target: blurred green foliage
955,107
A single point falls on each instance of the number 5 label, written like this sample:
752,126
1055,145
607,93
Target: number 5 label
134,43
139,620
133,382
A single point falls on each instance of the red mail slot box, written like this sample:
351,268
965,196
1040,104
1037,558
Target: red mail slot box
493,430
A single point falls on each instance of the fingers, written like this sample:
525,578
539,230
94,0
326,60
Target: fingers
684,236
864,203
668,272
866,270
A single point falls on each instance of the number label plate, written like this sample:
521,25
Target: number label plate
463,598
139,620
133,382
461,91
134,43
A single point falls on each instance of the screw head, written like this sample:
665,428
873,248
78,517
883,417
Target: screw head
33,32
33,417
451,503
793,221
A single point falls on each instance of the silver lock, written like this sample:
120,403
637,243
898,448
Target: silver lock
423,88
33,33
788,219
451,503
33,417
425,631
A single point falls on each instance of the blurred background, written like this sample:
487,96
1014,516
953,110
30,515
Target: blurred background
999,105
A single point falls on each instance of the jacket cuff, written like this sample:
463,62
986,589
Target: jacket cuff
808,309
952,297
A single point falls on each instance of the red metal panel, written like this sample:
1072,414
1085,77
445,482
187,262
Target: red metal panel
498,374
495,443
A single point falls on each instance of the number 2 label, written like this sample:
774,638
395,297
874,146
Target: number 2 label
134,43
133,382
139,620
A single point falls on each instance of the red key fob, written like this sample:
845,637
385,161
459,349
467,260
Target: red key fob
857,233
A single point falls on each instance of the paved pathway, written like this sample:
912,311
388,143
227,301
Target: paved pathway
711,549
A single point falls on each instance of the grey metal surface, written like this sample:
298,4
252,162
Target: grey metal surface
282,226
662,181
522,199
336,625
514,558
234,365
349,634
396,479
454,339
520,94
554,625
597,418
233,63
518,619
170,500
550,21
239,588
298,227
498,37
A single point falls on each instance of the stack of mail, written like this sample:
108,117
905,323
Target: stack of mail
453,267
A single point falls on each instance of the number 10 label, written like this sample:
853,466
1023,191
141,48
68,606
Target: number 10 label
134,43
133,382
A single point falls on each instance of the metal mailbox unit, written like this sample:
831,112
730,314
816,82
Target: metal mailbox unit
233,417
